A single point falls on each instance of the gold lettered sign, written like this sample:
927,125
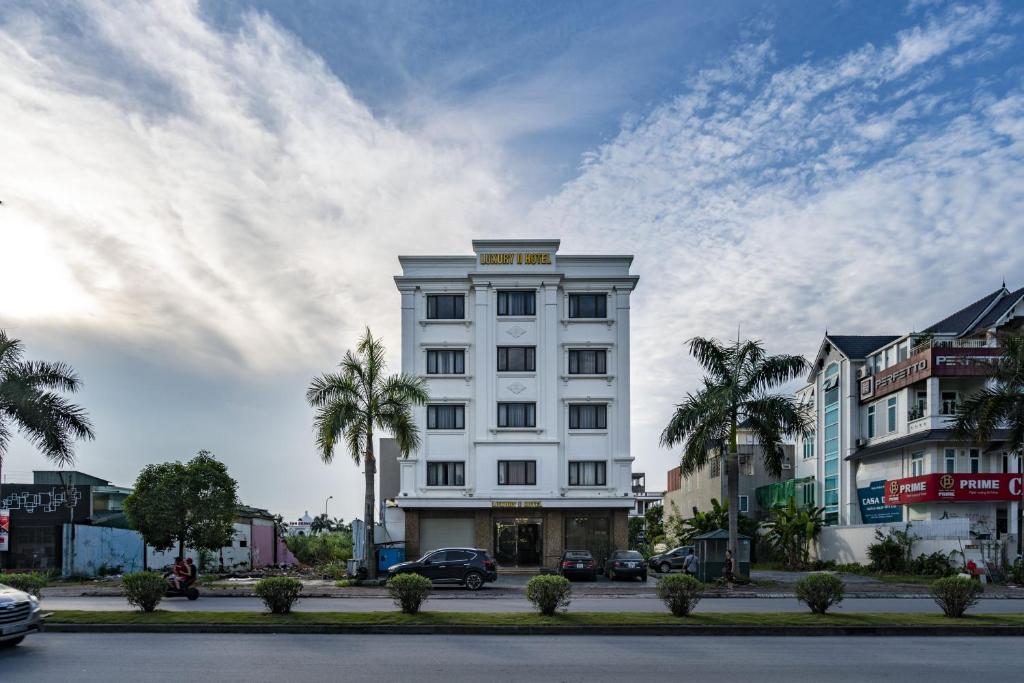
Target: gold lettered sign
516,259
516,504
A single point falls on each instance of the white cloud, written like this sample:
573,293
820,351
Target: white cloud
224,188
822,195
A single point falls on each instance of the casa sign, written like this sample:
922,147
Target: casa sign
953,488
519,258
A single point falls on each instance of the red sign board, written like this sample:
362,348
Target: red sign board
5,529
953,488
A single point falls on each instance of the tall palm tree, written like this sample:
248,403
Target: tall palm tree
30,402
736,390
351,404
1000,404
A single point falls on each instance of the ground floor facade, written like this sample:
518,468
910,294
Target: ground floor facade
518,536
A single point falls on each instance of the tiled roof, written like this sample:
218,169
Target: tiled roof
1004,304
963,320
857,346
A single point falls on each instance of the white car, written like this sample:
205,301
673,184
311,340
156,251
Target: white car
20,615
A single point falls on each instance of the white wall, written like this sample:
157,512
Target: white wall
846,544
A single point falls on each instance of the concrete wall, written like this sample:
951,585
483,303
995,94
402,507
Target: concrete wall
88,549
846,544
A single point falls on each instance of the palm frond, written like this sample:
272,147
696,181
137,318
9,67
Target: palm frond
60,376
330,425
775,370
331,387
11,351
715,358
770,417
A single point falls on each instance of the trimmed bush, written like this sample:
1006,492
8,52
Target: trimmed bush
680,593
278,593
145,590
30,582
336,570
549,593
409,591
954,594
820,591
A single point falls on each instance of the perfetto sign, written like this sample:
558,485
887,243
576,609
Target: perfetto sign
953,488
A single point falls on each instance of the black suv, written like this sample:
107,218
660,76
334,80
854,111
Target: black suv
470,567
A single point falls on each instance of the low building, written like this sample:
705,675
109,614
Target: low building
645,499
685,494
883,449
300,526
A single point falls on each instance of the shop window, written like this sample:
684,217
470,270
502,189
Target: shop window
446,307
588,305
589,533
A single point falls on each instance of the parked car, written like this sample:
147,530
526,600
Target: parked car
625,564
578,564
470,567
673,559
20,615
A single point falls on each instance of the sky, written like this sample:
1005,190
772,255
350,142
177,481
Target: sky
203,203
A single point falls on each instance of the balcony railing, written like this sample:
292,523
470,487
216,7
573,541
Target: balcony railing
915,414
925,344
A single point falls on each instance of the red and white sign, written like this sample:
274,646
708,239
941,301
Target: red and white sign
5,529
953,488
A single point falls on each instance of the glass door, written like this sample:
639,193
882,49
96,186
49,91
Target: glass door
518,542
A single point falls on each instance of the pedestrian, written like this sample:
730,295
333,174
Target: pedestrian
728,569
691,564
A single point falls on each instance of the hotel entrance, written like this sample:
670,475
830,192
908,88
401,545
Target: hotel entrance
518,542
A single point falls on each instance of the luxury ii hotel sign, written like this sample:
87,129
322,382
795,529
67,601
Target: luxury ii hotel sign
516,259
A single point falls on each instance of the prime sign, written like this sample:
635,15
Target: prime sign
953,488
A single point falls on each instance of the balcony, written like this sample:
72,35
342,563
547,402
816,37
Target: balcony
926,344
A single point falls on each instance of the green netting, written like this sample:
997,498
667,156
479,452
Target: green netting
778,494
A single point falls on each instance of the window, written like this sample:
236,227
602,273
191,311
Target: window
446,362
242,543
809,444
917,464
831,444
587,473
588,305
871,422
890,415
716,467
517,472
446,307
975,458
588,416
517,303
904,351
744,504
446,474
517,414
588,362
950,458
920,405
458,556
517,358
446,416
949,402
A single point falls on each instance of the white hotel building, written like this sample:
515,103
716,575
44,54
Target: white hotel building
525,445
883,449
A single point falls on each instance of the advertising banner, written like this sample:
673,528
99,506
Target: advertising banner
953,488
873,509
5,529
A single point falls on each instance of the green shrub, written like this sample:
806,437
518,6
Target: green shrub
680,593
936,564
319,549
1017,573
337,569
954,594
409,591
278,593
30,582
549,593
145,590
891,552
820,591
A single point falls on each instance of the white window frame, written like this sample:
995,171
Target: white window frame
892,418
744,506
917,464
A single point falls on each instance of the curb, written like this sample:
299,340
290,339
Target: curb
452,629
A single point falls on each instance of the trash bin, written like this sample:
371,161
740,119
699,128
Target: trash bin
389,556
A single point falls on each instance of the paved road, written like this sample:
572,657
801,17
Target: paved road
449,603
449,659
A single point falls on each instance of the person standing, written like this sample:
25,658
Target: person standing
728,569
691,564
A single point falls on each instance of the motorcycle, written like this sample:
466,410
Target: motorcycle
186,591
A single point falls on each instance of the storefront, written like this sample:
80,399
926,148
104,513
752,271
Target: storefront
988,500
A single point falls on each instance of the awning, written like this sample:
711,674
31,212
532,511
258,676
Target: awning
998,436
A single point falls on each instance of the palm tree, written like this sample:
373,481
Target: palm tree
29,400
352,403
791,530
736,390
1000,404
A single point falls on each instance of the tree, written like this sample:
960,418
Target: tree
736,390
322,523
355,402
654,523
1000,404
192,504
29,400
791,531
704,522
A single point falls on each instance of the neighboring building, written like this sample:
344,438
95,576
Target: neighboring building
526,439
883,449
40,510
301,526
696,491
645,499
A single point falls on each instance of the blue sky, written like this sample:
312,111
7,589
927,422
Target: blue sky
203,201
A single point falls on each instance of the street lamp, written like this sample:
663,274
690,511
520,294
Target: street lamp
325,506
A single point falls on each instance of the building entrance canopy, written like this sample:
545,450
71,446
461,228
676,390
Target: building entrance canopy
953,488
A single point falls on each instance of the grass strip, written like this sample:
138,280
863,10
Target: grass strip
530,619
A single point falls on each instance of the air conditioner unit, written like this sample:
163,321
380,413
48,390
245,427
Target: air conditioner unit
787,465
861,443
862,372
